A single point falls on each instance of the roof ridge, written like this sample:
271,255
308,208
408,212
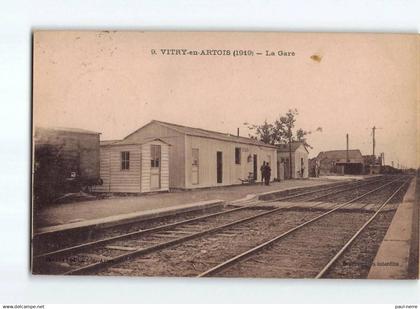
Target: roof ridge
341,150
189,127
206,130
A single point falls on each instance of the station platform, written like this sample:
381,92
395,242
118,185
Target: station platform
397,257
118,208
130,217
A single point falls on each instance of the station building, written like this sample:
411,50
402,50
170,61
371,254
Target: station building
190,158
300,163
340,162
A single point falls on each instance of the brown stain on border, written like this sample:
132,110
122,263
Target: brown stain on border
316,58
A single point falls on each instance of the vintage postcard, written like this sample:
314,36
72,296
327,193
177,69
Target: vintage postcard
225,154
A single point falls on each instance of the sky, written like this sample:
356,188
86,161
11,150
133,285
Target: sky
116,82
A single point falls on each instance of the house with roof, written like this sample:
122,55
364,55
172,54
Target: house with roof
299,158
340,162
134,167
195,158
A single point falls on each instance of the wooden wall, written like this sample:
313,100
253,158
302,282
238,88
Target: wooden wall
114,178
232,172
176,149
299,153
137,178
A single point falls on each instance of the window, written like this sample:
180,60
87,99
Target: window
155,156
195,157
125,160
238,155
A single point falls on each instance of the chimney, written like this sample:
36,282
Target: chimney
238,132
347,148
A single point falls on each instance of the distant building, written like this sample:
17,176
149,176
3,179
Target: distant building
300,163
65,160
340,162
197,158
373,164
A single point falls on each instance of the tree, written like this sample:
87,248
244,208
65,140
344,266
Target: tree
282,132
264,132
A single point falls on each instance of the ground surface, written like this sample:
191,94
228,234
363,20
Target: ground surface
193,248
79,211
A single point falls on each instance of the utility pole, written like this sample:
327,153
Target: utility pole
374,139
373,136
347,148
290,152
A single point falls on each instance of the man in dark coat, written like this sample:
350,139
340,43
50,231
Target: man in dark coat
262,169
267,174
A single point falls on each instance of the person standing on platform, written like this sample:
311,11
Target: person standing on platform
262,169
267,174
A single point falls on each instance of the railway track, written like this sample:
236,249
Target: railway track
301,252
63,242
94,256
44,244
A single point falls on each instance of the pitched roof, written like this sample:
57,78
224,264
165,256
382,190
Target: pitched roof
212,134
125,142
340,156
108,142
285,147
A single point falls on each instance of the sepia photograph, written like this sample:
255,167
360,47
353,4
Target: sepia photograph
225,154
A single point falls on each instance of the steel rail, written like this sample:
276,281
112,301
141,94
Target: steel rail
138,252
92,244
357,183
248,253
360,230
123,257
76,248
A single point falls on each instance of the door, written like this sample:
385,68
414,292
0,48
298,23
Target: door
255,167
219,166
195,166
155,162
286,169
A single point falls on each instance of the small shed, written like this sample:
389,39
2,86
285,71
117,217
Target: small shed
300,162
134,167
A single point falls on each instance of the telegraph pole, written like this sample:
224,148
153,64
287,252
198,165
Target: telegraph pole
347,148
374,139
373,136
290,152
